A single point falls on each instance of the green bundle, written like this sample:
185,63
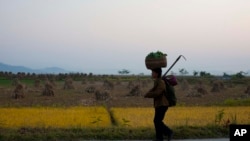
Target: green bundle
155,55
156,60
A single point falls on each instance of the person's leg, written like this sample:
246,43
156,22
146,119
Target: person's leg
159,125
166,130
160,128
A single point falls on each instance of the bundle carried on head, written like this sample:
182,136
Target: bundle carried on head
156,60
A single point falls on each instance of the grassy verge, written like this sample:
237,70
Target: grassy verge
236,102
112,133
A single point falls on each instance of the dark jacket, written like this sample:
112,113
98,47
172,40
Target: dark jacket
157,93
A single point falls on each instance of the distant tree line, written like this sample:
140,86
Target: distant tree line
77,75
59,76
239,75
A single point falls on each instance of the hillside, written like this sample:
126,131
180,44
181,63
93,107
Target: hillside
16,69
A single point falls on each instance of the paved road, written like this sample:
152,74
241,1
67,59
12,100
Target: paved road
220,139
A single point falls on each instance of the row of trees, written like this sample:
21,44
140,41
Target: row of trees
182,72
60,76
240,74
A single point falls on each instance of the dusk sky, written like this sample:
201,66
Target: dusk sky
105,36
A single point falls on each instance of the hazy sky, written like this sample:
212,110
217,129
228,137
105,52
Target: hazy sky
104,36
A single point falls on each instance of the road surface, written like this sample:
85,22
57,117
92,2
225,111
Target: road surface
218,139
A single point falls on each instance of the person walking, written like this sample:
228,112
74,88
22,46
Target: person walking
160,104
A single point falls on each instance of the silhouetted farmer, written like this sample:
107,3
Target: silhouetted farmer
160,104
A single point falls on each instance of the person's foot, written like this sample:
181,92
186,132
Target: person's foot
170,135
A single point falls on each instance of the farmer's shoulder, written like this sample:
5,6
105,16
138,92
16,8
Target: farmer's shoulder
159,82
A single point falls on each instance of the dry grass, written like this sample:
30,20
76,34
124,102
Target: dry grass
80,97
179,116
85,117
73,117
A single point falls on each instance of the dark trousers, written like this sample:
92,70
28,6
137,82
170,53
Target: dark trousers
160,128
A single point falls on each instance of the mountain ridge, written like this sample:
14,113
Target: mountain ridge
15,69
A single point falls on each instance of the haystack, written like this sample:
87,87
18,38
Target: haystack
131,84
15,82
201,88
19,91
53,82
217,86
108,85
102,95
135,91
118,81
68,84
247,91
48,89
84,81
90,89
184,85
37,83
197,91
144,83
193,93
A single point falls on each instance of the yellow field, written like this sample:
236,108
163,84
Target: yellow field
54,117
176,116
125,117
